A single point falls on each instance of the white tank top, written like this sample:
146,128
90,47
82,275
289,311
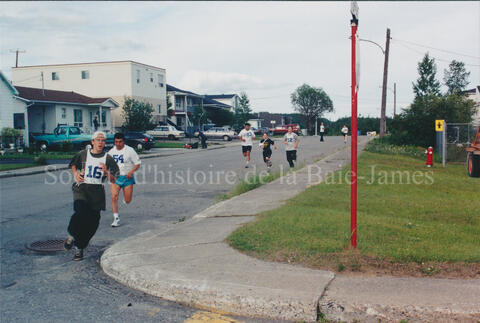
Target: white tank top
93,171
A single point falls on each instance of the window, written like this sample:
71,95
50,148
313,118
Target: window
138,76
78,118
151,77
62,131
55,76
64,113
75,131
19,121
85,75
159,108
160,80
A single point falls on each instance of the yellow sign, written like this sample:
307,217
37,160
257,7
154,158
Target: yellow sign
439,125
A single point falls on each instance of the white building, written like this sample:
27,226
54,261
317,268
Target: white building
474,94
12,109
101,79
231,100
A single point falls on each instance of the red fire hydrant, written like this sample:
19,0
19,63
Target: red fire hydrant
429,153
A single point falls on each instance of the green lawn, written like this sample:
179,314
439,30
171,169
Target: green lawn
169,145
398,223
14,166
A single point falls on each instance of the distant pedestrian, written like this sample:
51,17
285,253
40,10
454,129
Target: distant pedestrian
266,144
203,139
345,133
89,167
322,131
95,123
291,141
128,163
246,136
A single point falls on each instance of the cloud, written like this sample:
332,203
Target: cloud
222,82
264,48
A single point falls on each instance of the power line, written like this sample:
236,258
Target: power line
434,48
438,59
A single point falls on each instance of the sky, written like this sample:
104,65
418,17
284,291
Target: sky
266,49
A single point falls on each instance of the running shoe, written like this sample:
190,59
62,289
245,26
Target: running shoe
116,221
78,254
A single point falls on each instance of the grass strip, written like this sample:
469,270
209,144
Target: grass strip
411,220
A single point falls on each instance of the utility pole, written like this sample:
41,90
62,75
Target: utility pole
383,126
16,55
394,99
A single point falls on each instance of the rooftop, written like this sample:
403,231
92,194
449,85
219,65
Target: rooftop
36,94
89,63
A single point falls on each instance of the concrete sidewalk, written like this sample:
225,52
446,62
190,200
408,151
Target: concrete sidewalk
56,167
190,263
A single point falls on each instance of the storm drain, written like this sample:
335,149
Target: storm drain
53,245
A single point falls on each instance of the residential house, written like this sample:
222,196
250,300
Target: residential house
115,80
12,109
474,94
232,100
183,104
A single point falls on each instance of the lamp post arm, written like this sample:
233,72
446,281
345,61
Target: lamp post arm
373,43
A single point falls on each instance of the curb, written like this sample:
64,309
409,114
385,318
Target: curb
229,281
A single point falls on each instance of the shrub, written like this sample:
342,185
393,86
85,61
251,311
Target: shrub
40,160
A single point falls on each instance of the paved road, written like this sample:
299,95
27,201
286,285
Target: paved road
50,288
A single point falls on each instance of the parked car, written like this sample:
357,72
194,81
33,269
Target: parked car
167,132
62,134
281,130
139,140
224,133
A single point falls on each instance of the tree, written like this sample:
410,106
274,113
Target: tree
456,77
415,125
199,116
170,112
311,102
243,111
427,84
221,117
137,115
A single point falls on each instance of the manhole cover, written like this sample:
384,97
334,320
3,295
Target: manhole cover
53,245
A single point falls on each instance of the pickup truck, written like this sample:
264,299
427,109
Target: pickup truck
63,134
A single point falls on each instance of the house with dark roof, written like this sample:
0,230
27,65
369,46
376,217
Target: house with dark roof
49,108
184,103
113,79
37,111
232,100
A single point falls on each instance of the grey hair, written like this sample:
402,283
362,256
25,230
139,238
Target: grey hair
98,133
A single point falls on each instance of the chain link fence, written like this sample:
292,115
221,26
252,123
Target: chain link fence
458,137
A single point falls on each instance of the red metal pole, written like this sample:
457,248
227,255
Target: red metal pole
353,184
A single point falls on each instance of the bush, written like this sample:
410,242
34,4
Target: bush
384,146
66,146
41,160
